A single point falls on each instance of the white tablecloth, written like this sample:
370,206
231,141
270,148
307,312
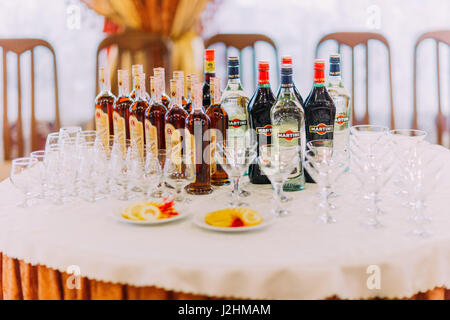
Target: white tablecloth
292,259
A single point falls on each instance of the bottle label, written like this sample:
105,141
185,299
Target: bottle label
289,135
266,130
321,129
210,66
151,137
137,134
119,128
173,142
342,120
102,125
237,123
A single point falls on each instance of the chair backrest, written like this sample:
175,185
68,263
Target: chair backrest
156,50
20,46
441,36
241,41
352,39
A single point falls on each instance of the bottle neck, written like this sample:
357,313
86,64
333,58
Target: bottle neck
263,79
335,73
233,75
139,87
319,78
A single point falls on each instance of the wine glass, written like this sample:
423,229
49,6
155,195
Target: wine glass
70,132
151,174
278,163
52,140
235,158
40,157
325,165
24,177
160,191
91,169
179,171
372,158
123,166
87,136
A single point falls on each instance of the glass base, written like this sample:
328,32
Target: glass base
420,233
325,219
281,212
238,204
372,223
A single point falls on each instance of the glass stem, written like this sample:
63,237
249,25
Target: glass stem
236,191
278,188
179,196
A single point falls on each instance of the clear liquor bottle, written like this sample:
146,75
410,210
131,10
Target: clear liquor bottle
138,69
288,126
104,104
137,114
120,111
341,100
219,124
161,74
155,119
235,102
199,125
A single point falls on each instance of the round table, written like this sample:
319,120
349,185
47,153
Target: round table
78,251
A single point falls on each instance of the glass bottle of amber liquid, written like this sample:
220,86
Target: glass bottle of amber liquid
175,121
137,69
137,114
179,76
104,104
120,111
199,125
219,125
155,119
161,74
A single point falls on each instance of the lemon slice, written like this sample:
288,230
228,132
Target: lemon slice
220,218
126,214
150,212
250,217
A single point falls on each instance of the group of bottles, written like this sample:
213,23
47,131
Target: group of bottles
197,121
286,119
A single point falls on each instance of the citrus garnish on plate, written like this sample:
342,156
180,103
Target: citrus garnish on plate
234,218
149,211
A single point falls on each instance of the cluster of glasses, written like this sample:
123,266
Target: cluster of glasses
417,174
79,164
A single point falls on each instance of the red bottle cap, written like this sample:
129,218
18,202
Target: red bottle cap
286,60
319,71
263,66
210,55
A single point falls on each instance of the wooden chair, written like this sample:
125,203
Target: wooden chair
352,39
156,50
20,46
441,36
242,41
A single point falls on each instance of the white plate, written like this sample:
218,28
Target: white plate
182,213
268,219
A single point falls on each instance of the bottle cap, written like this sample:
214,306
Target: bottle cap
263,66
335,58
233,61
319,64
178,75
123,79
137,69
286,60
210,55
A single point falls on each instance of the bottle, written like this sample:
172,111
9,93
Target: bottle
234,102
320,110
288,126
341,100
179,76
161,74
199,125
287,60
136,70
137,114
190,79
259,112
219,124
104,104
210,72
121,106
175,120
155,119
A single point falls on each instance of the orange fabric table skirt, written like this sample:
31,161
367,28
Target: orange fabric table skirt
22,281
